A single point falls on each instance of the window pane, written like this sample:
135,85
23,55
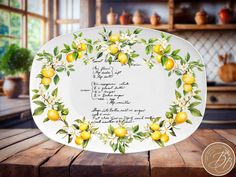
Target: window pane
5,2
35,33
15,28
4,42
16,3
35,6
4,22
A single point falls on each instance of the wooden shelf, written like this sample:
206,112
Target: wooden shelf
204,27
158,27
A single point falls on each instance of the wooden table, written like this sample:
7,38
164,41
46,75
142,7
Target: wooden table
28,153
10,108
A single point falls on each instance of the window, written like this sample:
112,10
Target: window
23,22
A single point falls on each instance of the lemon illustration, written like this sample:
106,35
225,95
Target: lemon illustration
83,126
156,135
120,132
114,38
154,127
82,47
70,57
122,58
187,79
53,115
164,138
158,49
158,58
85,135
187,87
113,49
80,54
79,140
169,64
46,81
181,117
48,72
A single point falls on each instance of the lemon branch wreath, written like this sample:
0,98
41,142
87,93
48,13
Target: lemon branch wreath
118,48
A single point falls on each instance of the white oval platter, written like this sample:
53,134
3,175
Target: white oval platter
118,89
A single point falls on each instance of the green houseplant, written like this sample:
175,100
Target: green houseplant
14,62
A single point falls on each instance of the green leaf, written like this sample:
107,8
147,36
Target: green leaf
99,55
121,149
172,132
46,119
65,51
75,54
137,31
175,52
195,112
90,48
70,137
35,96
161,123
38,111
74,45
164,60
67,47
189,121
54,92
152,40
56,51
197,97
178,83
56,79
143,41
148,49
111,129
61,131
35,90
194,104
160,143
85,143
167,49
177,94
114,147
40,103
187,57
135,128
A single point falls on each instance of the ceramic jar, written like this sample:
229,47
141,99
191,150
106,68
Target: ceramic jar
124,18
138,18
111,17
201,17
12,87
225,15
155,19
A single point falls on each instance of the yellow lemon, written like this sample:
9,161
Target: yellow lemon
188,79
158,58
157,49
85,135
156,135
122,58
169,64
114,38
46,81
120,132
181,117
70,57
154,127
82,47
48,72
83,126
79,140
187,87
80,54
113,49
164,138
53,115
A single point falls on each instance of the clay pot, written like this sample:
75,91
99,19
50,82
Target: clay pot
225,15
124,18
111,17
12,87
25,86
138,18
1,85
201,17
155,19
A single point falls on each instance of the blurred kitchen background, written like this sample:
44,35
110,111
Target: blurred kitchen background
210,25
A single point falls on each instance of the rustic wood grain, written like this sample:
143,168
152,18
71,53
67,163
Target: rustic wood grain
17,138
88,164
59,164
20,146
166,162
27,163
230,134
6,133
127,165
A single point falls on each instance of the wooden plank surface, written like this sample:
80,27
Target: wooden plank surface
26,163
27,153
62,161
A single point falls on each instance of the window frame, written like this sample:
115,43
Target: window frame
25,15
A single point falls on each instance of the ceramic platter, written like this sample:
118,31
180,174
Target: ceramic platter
118,89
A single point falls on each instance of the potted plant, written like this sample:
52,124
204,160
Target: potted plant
14,61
